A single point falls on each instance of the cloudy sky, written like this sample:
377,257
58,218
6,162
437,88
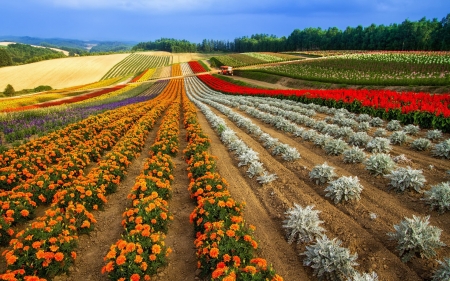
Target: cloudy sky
194,20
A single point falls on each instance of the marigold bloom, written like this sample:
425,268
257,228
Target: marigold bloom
230,233
121,259
24,213
135,277
59,256
156,249
11,259
152,257
214,253
40,254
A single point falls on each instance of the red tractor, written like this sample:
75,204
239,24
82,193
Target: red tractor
226,70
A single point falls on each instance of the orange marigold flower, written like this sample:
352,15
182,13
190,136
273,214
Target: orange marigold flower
277,278
138,259
250,269
73,254
163,215
152,257
231,277
24,213
11,259
36,245
230,233
226,258
59,256
54,248
156,249
135,277
237,261
121,260
214,253
260,262
40,254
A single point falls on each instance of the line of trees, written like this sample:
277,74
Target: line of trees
15,54
424,34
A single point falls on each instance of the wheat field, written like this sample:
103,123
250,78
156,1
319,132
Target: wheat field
58,73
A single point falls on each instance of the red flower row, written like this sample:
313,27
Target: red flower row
196,67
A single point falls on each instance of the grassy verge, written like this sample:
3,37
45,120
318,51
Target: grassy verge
236,82
204,65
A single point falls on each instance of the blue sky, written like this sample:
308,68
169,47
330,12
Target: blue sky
194,20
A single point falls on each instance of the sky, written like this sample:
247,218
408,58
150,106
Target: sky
195,20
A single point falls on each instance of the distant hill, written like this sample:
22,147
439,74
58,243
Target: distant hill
73,45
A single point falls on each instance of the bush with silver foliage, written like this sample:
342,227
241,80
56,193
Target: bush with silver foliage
344,189
379,164
379,145
364,277
354,155
335,147
443,272
406,178
434,135
376,122
438,197
302,224
411,129
329,260
359,139
421,144
442,149
398,137
322,173
380,133
393,125
416,236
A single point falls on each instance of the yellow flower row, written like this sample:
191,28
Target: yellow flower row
147,75
110,94
99,84
176,70
28,100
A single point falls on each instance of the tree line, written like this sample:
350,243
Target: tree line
421,35
15,54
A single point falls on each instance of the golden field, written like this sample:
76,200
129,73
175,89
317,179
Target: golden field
58,73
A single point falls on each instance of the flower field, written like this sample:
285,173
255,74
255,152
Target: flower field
135,63
246,59
196,178
381,68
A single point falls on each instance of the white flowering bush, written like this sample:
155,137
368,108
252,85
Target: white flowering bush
379,164
344,189
398,137
443,272
402,179
364,277
438,197
393,125
416,236
434,135
335,147
411,129
321,174
359,139
442,149
421,144
379,145
354,155
302,224
329,260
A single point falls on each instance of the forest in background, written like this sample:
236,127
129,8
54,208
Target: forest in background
421,35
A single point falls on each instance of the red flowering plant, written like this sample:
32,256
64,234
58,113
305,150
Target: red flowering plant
257,270
136,257
150,210
207,184
146,185
200,164
45,249
160,166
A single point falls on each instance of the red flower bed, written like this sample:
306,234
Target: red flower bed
67,100
196,67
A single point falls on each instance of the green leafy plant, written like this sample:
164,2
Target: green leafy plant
302,224
322,173
344,189
329,260
406,178
379,164
438,197
416,237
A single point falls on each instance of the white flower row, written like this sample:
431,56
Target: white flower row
246,156
287,152
186,69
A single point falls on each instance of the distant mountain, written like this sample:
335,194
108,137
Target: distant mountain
75,44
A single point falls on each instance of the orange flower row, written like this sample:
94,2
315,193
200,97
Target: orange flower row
225,245
64,223
147,220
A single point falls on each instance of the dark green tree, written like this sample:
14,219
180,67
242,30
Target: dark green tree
5,58
9,91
